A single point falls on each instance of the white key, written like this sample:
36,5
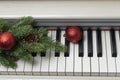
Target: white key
3,70
118,52
94,59
103,66
86,59
69,61
20,67
36,65
11,71
45,61
78,64
61,59
53,59
111,60
28,68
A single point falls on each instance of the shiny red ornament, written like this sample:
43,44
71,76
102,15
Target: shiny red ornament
73,34
7,41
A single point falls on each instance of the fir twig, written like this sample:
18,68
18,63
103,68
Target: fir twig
20,32
23,21
5,61
21,53
40,32
4,25
21,29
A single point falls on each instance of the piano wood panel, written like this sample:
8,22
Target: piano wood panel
55,78
61,9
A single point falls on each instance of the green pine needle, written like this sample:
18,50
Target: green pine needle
22,50
4,25
23,21
35,47
40,32
20,32
5,61
21,53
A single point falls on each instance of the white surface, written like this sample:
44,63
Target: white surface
28,68
37,65
53,60
20,67
61,59
103,60
55,78
11,71
118,51
86,59
70,61
61,9
77,62
111,60
3,70
94,59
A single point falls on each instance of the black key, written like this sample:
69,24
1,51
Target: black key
58,37
113,43
34,54
67,44
81,46
43,54
99,43
90,43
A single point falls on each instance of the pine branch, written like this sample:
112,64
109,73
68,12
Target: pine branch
40,32
5,61
4,25
19,51
12,64
23,49
48,42
27,57
20,32
35,47
59,47
44,44
23,21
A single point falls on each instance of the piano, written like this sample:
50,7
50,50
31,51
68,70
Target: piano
96,56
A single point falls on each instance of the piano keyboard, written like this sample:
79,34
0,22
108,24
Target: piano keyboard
97,54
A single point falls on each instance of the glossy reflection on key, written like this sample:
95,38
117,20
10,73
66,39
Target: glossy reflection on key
99,43
113,43
58,37
81,46
90,43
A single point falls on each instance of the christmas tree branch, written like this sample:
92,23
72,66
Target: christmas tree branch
3,25
5,61
23,21
25,40
49,43
20,52
20,32
40,32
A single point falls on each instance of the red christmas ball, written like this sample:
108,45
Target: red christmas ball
7,41
73,34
